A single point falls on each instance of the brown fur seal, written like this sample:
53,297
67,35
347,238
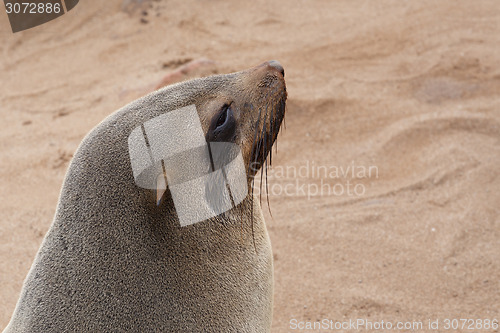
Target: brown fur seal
116,261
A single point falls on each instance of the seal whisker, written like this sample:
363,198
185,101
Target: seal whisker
282,107
283,122
255,149
263,136
250,163
267,193
272,129
269,148
250,170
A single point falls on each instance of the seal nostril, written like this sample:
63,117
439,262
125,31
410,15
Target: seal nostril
276,64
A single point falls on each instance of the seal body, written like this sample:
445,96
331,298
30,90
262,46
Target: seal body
114,260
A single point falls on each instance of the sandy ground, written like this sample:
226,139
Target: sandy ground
389,158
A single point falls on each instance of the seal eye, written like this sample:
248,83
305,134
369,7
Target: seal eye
223,127
223,117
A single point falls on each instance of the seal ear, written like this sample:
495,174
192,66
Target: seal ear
161,187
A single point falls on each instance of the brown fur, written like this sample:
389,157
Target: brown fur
114,261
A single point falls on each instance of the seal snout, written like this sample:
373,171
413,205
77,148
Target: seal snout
276,64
